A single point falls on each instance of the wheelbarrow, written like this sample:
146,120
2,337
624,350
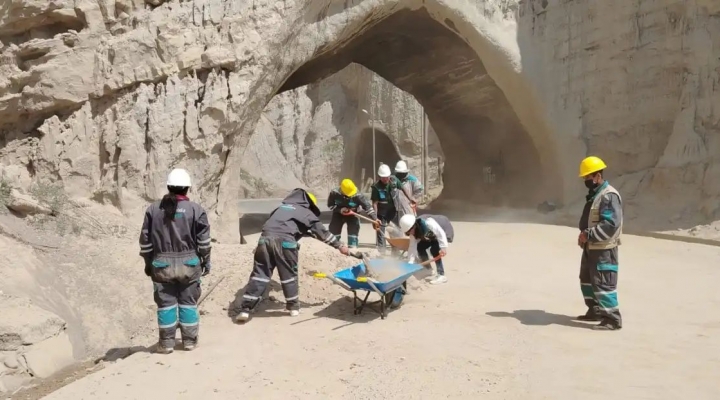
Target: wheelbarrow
354,280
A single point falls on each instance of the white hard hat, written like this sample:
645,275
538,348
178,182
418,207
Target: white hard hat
406,222
384,171
401,167
179,177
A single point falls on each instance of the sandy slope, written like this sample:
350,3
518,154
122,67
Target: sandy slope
500,328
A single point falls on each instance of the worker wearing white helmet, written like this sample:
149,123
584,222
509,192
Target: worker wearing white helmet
175,243
410,191
428,232
382,201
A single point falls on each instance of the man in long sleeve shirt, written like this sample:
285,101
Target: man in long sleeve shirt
428,232
600,230
344,200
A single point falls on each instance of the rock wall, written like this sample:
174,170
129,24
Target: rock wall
106,95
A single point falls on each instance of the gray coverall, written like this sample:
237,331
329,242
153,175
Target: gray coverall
177,250
409,189
599,263
278,247
336,202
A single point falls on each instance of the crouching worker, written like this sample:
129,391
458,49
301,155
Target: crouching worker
433,232
342,201
278,246
175,243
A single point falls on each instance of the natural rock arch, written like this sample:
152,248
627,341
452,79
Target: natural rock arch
479,128
361,158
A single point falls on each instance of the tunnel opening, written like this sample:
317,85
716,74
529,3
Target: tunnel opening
364,170
490,158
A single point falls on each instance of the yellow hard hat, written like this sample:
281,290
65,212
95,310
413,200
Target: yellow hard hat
348,187
590,165
312,198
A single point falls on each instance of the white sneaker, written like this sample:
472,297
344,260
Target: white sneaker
438,280
242,317
294,313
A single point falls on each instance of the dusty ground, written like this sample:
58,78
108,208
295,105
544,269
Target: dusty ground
501,327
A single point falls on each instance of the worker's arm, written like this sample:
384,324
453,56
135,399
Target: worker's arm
331,200
374,198
366,206
403,188
202,238
610,219
146,246
319,232
412,253
417,188
438,231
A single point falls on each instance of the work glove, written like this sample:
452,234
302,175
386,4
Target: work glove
148,268
344,211
206,266
343,250
376,225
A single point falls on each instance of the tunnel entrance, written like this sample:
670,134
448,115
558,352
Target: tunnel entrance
385,153
489,157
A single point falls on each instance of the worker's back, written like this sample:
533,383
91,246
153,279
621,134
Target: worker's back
180,233
292,219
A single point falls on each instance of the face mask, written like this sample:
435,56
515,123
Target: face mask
590,184
401,175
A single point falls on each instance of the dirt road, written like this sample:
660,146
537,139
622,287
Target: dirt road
501,327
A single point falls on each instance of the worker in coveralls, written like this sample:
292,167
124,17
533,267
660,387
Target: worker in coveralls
382,203
428,232
411,189
175,243
278,246
600,230
344,200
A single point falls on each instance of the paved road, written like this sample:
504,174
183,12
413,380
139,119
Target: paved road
501,328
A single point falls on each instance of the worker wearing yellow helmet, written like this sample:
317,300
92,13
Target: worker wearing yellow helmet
345,201
600,230
278,247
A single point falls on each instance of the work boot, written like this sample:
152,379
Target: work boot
438,280
244,316
189,344
607,325
589,316
164,350
294,313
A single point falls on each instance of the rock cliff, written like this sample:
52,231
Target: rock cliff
100,98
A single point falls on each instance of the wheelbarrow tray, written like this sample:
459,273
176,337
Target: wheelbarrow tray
399,243
349,277
387,290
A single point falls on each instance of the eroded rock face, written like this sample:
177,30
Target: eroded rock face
106,96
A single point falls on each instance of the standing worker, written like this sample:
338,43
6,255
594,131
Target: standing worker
175,243
382,203
600,230
410,191
428,232
344,200
278,246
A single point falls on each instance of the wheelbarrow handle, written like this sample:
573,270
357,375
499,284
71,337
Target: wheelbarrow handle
334,280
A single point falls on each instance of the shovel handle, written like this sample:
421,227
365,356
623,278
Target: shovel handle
361,216
426,263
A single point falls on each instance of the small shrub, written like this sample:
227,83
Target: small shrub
51,195
5,194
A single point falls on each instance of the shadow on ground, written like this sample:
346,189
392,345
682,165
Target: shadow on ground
269,305
342,310
540,318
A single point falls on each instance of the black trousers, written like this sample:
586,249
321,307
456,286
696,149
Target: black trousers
270,253
353,227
